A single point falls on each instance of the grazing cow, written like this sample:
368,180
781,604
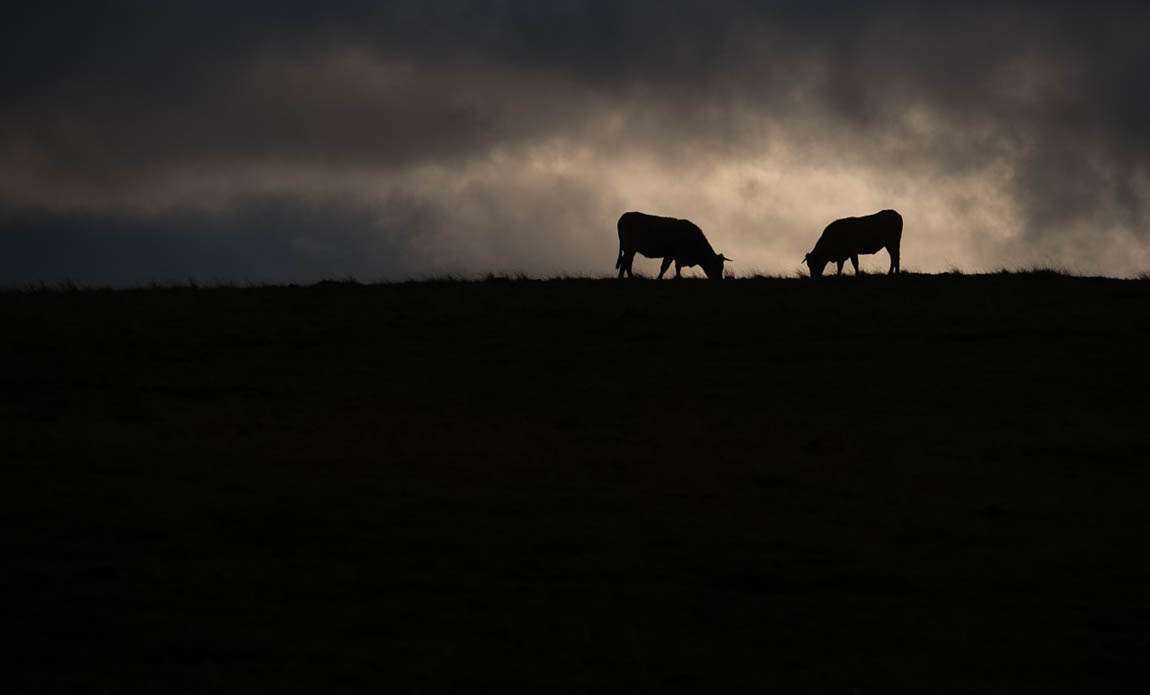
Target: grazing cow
852,236
667,238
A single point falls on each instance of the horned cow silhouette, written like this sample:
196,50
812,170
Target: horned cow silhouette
673,240
852,236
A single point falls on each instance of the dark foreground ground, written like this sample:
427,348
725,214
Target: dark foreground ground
934,484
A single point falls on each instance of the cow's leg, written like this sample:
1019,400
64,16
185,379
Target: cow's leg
855,263
840,267
678,270
625,265
663,268
893,261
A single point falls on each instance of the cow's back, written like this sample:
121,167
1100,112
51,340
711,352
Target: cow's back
659,237
860,235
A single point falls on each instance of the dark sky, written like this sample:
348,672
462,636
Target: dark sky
292,141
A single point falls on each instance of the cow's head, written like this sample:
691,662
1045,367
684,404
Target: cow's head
815,264
714,267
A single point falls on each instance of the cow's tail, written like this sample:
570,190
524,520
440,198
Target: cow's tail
619,258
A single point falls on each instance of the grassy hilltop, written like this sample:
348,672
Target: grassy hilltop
930,483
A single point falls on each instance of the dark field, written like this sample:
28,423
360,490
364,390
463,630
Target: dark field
929,484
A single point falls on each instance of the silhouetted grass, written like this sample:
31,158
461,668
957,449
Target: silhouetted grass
929,482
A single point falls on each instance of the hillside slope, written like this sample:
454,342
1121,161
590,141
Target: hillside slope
929,482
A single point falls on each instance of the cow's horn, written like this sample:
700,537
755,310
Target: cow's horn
727,259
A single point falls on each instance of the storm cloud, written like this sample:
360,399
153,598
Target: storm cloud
289,142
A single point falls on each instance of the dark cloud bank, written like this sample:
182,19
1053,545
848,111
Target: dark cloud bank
289,142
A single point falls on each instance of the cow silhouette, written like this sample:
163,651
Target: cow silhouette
673,240
851,237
